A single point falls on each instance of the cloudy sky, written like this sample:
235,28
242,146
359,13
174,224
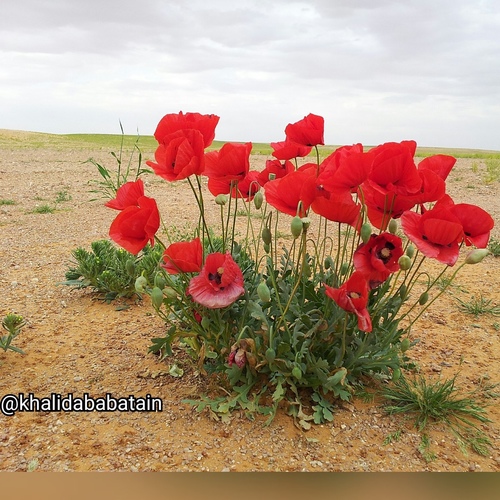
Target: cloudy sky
376,70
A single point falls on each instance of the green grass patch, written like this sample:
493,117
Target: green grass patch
438,402
43,209
7,202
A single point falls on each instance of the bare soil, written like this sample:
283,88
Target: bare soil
75,343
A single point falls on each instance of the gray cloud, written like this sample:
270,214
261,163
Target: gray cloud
385,70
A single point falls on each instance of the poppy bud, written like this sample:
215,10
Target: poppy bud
344,268
258,199
140,283
156,297
402,291
405,345
365,232
296,226
267,248
130,267
297,372
221,199
396,374
410,251
263,292
328,262
404,262
169,292
270,354
423,298
393,226
476,255
160,281
266,236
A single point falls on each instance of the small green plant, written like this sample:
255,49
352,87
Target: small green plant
111,181
494,247
111,271
12,324
7,202
63,196
478,306
43,209
438,402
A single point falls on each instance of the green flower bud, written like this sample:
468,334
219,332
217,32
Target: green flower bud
266,236
410,251
160,281
405,345
258,199
130,267
396,374
476,255
328,262
156,297
270,355
267,248
263,292
344,268
423,298
221,199
402,291
296,226
297,372
169,293
393,226
140,283
366,232
404,262
306,270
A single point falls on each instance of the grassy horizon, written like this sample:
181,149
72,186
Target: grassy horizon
34,140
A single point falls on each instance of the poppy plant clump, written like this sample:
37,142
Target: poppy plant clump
313,312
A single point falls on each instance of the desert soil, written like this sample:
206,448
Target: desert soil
75,343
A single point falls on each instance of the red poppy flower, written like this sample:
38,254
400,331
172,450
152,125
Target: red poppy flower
352,296
393,168
245,188
183,256
219,283
286,193
437,233
287,150
378,258
346,168
337,206
277,168
181,157
172,123
308,131
441,165
230,163
135,226
127,195
476,222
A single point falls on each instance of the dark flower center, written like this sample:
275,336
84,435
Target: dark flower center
217,277
385,253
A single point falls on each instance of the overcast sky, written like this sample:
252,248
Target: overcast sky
376,70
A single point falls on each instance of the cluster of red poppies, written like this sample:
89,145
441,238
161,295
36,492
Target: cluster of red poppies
384,182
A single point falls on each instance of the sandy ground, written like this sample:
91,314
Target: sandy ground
77,344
